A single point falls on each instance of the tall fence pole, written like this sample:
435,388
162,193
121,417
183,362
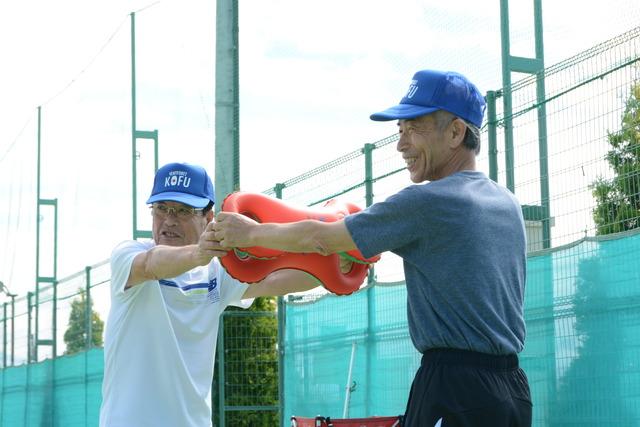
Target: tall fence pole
542,127
87,310
13,328
533,66
281,335
54,321
88,317
371,300
29,328
492,133
37,237
506,95
133,128
40,280
135,135
4,336
227,103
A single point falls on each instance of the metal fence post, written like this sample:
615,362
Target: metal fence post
227,101
281,333
30,342
221,397
368,186
87,310
4,336
13,328
371,305
54,321
492,133
135,135
368,172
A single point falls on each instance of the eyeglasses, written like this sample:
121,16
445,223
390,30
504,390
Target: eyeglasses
181,212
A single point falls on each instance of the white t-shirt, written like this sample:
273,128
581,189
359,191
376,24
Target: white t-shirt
160,343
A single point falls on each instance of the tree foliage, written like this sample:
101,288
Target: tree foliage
618,199
75,337
250,364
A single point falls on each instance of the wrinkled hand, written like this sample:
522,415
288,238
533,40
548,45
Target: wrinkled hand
209,246
233,230
345,265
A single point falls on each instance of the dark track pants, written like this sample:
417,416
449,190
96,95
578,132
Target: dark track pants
467,389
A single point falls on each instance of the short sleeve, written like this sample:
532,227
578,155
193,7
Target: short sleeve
121,260
387,225
231,290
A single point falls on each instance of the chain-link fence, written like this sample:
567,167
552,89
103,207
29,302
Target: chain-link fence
581,185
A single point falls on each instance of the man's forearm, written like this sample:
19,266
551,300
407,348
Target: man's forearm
234,230
168,261
161,262
305,236
291,237
282,282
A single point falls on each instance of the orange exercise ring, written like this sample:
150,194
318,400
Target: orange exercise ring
253,264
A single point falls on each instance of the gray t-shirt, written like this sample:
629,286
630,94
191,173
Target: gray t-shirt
462,240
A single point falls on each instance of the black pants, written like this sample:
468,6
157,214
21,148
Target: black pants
467,389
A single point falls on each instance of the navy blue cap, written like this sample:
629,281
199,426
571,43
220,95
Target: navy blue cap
183,183
432,90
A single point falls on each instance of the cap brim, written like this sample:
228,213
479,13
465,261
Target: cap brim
402,111
187,199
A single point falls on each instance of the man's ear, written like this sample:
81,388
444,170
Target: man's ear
210,215
456,132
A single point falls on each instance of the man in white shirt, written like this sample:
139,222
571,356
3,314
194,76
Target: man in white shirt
166,298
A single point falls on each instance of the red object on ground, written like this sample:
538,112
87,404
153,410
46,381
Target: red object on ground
346,422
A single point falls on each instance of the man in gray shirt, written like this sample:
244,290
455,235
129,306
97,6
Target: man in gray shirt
462,240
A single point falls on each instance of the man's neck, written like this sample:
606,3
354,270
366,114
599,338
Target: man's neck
462,160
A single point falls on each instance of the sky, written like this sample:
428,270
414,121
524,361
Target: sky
311,73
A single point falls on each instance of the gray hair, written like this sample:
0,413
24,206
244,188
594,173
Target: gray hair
472,135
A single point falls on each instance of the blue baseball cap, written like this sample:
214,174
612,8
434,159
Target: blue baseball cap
432,90
183,183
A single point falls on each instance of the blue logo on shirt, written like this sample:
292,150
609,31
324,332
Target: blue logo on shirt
213,294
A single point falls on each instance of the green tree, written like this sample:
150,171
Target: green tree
618,199
75,337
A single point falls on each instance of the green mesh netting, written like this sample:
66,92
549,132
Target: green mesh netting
61,392
582,353
320,338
